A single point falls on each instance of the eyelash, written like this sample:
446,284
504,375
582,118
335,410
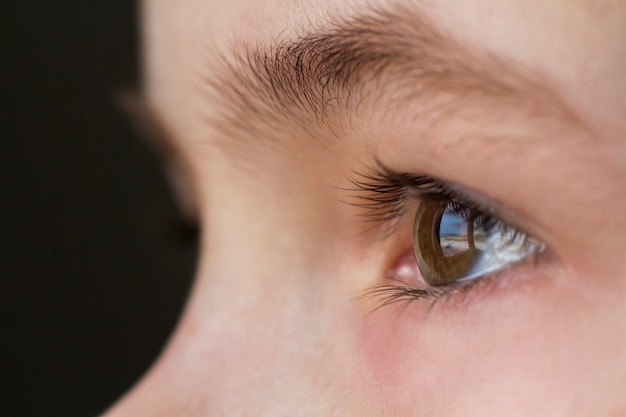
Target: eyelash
384,194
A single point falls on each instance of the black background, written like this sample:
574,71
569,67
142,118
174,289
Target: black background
94,272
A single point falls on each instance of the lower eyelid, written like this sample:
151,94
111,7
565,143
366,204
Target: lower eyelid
404,284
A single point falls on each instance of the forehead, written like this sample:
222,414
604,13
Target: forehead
577,44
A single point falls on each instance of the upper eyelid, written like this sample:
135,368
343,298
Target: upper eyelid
462,195
384,194
421,186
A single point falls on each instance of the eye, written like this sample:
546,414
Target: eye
458,239
454,242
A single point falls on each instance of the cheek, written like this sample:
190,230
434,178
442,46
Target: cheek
401,362
547,354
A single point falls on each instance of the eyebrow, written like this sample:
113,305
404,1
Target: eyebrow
397,54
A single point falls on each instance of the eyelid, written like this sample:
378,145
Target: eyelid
385,196
402,291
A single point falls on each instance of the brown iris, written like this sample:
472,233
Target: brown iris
445,242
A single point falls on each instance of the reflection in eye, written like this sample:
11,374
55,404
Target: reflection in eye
454,242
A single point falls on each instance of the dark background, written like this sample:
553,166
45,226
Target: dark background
94,269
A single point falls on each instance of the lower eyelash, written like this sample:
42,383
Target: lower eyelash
396,293
401,292
404,293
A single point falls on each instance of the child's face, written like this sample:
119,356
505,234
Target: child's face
310,134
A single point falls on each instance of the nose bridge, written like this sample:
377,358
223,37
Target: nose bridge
263,330
266,338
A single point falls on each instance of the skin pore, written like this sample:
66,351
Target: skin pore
278,110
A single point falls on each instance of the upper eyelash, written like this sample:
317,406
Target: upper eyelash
383,193
382,198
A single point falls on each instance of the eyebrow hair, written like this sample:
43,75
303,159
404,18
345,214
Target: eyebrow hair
328,72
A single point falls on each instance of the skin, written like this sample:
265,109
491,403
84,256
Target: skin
272,326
